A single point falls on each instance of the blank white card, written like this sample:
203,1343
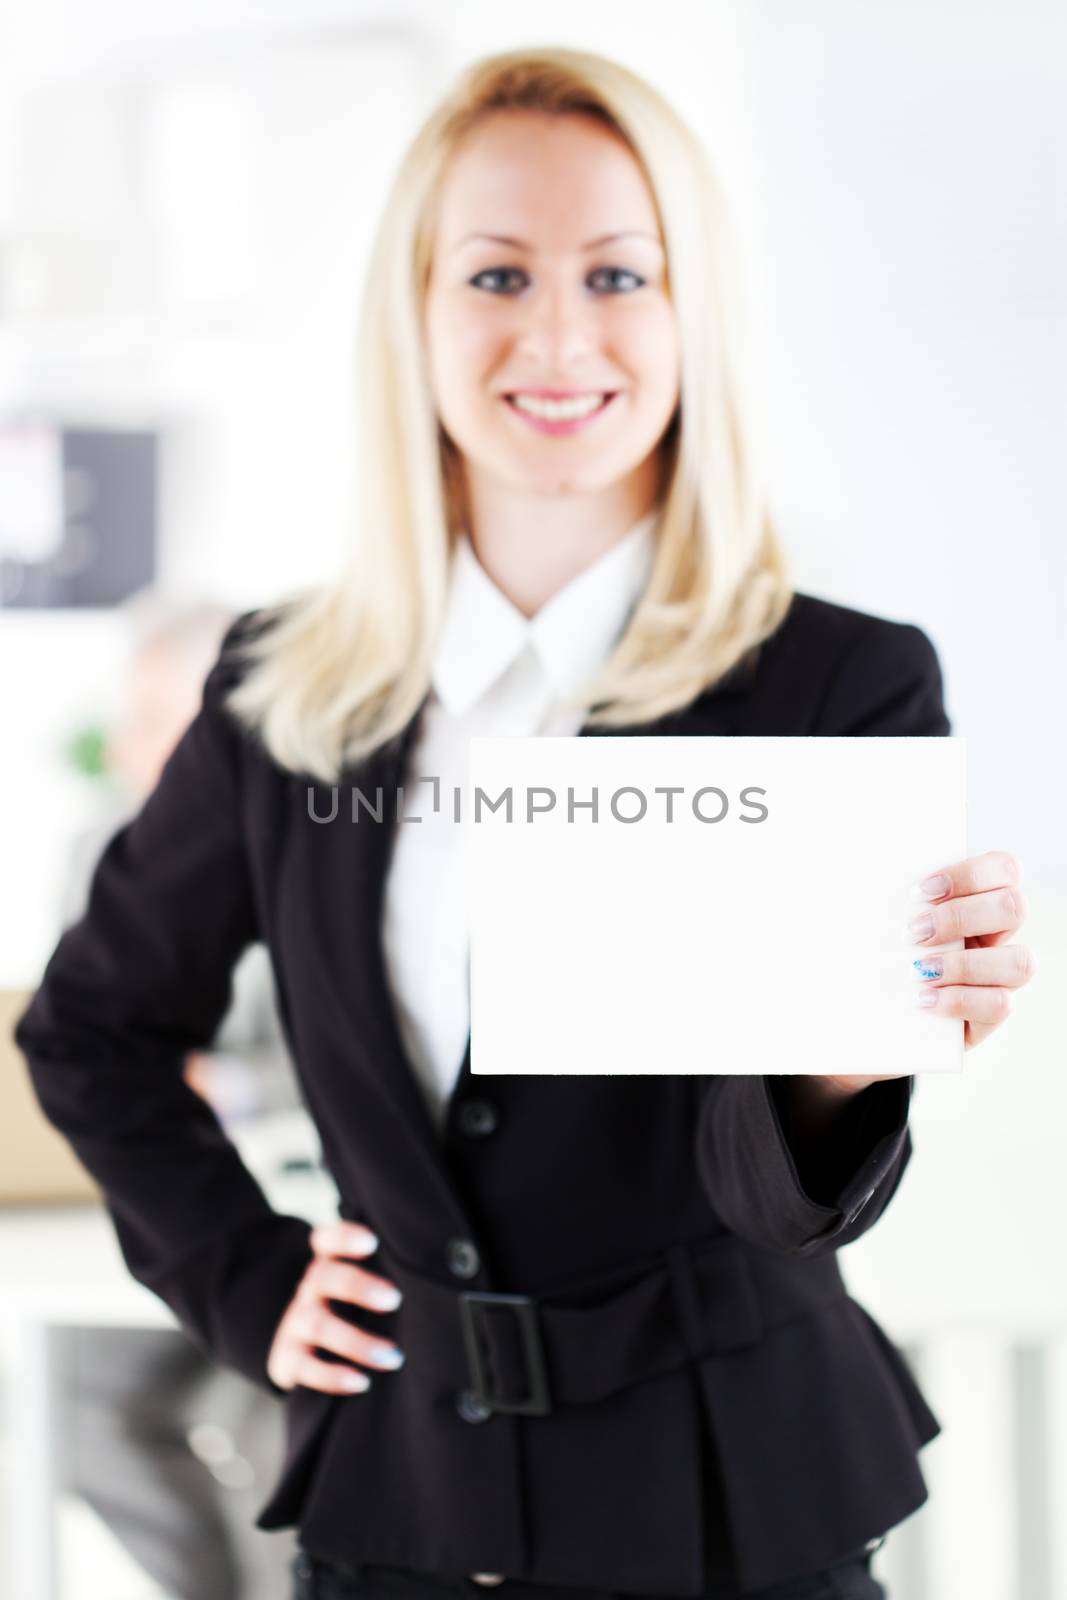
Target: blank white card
706,904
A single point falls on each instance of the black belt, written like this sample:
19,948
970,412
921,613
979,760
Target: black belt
518,1353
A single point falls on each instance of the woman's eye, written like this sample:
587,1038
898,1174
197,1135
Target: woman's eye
495,272
620,272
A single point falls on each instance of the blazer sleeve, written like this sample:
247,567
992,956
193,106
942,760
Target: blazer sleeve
765,1183
143,977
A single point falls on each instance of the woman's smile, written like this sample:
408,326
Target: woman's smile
559,412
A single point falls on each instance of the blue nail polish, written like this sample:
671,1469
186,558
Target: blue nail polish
928,969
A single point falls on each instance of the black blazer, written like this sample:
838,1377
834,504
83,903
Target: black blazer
695,1392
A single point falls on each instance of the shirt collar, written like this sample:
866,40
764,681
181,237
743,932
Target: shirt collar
572,633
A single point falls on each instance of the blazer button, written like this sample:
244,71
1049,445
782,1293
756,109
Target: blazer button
471,1408
463,1258
477,1117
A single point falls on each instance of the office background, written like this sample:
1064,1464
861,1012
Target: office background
187,195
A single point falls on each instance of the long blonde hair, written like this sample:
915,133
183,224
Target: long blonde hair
342,668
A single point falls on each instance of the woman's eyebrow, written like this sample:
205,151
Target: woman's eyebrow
592,244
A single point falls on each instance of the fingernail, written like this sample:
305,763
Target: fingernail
926,997
386,1299
365,1238
388,1356
931,967
351,1379
933,888
920,928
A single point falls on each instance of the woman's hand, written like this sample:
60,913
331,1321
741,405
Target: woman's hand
308,1322
979,901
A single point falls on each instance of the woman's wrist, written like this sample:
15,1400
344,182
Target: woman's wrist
817,1104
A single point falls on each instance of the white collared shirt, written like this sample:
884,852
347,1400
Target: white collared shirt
494,672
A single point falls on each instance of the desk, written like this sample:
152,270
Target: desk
61,1266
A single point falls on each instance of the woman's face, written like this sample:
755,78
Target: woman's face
569,297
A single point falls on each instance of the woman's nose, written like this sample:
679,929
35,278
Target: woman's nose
557,326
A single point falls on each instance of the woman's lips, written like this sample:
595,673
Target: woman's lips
559,425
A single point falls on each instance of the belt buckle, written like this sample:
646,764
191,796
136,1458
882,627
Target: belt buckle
538,1401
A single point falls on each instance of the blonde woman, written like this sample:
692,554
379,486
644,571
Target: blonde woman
568,1334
